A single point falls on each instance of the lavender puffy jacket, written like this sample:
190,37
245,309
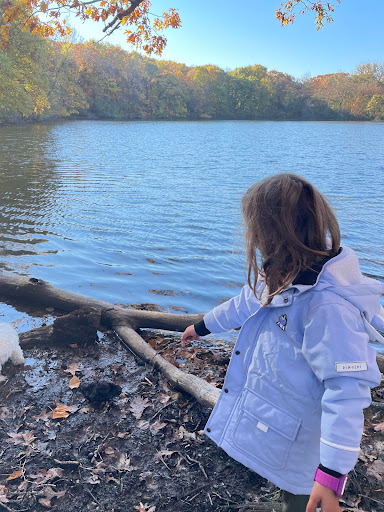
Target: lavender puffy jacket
300,375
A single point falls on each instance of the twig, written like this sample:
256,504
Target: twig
372,499
199,463
5,507
163,461
93,497
96,452
197,489
164,406
67,462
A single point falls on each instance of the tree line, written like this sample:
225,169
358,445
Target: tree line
41,79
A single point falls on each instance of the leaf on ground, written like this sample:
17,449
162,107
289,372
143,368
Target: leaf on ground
3,494
142,424
377,469
73,368
124,435
137,406
123,463
164,398
92,479
23,486
155,427
44,416
15,474
49,495
166,454
28,438
61,411
15,438
109,478
145,508
74,382
5,413
18,438
44,476
117,369
182,433
379,427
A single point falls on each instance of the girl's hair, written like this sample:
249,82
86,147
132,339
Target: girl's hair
291,225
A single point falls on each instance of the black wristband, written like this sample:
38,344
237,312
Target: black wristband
200,328
330,471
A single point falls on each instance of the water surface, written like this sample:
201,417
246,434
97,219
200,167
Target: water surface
149,212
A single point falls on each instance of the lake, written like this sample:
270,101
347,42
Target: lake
149,212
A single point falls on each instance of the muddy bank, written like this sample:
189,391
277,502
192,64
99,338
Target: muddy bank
143,450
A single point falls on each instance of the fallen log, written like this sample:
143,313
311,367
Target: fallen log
204,392
31,291
78,327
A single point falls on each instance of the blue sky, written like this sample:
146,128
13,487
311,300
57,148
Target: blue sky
216,32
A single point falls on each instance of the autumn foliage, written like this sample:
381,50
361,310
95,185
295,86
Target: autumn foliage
323,11
49,18
41,79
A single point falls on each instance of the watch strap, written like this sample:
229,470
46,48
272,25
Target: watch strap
336,484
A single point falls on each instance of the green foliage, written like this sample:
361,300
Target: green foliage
375,107
42,79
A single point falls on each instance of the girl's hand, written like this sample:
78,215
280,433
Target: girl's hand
323,497
189,335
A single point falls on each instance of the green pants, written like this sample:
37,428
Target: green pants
294,502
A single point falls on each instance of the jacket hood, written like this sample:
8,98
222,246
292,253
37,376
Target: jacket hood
342,275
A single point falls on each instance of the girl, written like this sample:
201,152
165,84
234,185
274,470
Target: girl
292,404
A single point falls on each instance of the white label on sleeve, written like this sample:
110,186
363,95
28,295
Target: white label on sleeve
358,366
262,427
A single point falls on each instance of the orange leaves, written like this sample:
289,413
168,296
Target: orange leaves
72,368
15,474
61,411
286,15
74,382
129,12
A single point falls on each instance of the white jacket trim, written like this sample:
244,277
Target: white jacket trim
218,323
334,445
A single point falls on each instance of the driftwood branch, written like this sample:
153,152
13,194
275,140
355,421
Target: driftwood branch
205,393
16,290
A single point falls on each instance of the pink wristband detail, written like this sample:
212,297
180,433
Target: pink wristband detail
336,484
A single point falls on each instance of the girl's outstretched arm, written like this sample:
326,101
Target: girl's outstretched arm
322,497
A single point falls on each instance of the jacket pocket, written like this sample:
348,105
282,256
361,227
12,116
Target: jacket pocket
263,431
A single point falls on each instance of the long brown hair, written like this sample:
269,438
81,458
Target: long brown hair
291,225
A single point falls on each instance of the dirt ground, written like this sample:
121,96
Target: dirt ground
142,450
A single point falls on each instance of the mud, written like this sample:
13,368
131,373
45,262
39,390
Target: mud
145,449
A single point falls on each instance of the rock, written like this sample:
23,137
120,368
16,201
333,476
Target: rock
98,391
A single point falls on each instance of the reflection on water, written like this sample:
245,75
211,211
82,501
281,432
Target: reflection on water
28,195
142,212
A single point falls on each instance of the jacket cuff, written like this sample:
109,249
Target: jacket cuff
201,329
336,474
342,460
